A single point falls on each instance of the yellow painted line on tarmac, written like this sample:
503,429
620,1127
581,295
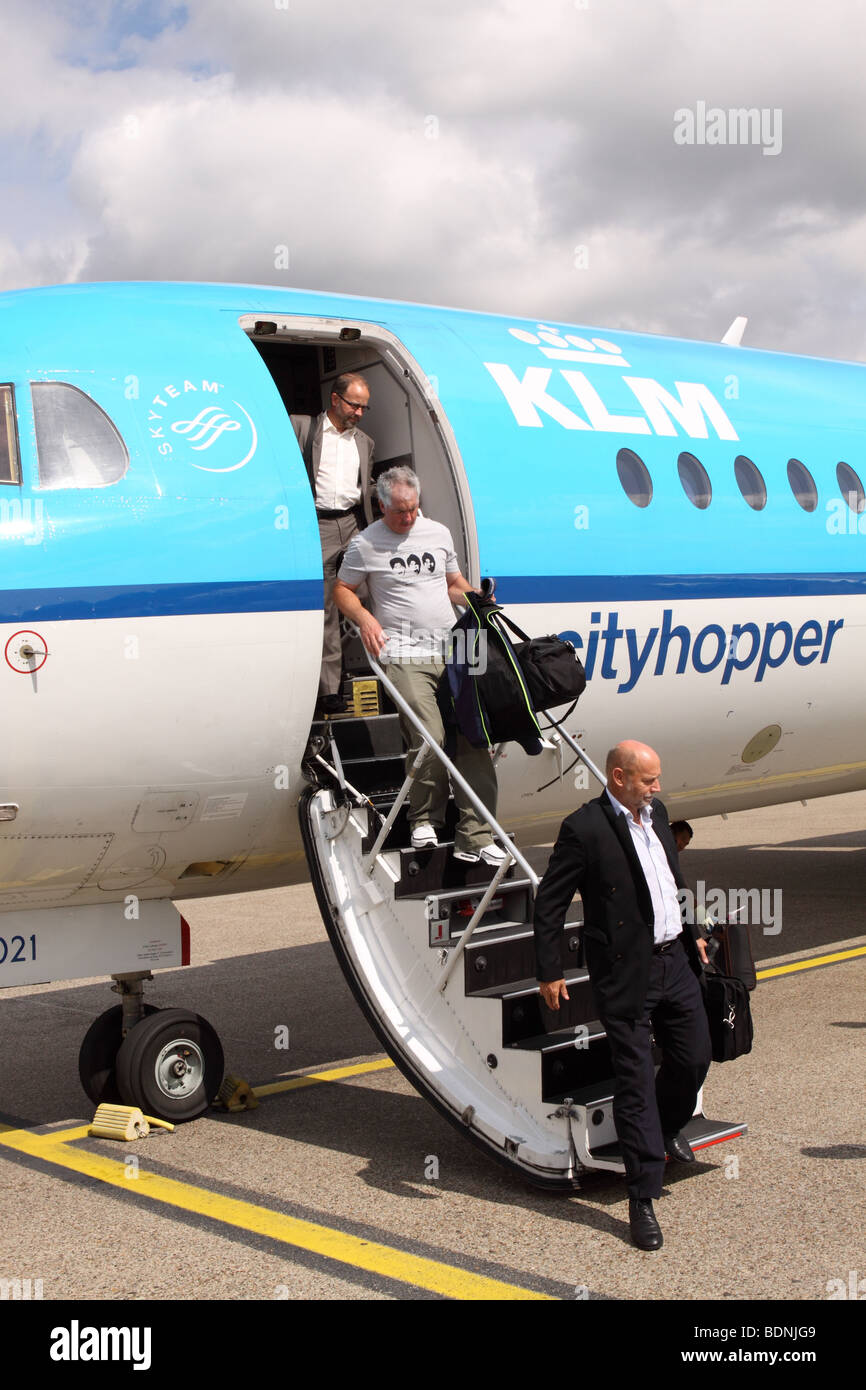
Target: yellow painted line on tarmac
313,1077
399,1265
811,963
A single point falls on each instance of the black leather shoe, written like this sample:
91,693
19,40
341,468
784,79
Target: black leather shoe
645,1230
677,1147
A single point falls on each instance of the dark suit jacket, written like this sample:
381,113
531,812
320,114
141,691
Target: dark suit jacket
308,431
595,855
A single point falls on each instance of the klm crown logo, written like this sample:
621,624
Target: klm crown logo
570,347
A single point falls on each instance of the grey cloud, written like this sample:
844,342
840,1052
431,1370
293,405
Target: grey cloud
252,126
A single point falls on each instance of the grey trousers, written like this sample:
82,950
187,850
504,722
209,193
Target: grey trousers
429,795
334,536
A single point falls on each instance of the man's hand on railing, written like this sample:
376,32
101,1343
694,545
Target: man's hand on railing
372,635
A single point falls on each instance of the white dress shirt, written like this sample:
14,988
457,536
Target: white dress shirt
338,485
656,870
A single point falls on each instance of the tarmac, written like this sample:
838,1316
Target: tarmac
345,1185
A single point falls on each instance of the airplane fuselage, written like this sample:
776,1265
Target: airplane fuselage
681,511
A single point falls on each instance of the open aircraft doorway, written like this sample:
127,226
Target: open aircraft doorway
405,419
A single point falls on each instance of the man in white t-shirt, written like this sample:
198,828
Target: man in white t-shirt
412,577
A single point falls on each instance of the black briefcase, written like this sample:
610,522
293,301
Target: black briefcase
729,1016
730,951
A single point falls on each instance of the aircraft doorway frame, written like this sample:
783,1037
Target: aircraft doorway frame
330,332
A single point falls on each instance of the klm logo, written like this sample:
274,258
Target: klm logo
690,407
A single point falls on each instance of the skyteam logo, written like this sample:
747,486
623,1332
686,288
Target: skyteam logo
542,394
215,437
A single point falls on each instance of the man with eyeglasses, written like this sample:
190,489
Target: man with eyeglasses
339,460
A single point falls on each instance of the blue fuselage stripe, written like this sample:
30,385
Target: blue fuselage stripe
160,600
608,588
278,596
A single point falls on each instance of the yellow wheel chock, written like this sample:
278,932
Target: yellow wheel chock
236,1094
124,1122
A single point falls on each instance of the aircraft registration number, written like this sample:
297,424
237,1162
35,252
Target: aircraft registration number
16,950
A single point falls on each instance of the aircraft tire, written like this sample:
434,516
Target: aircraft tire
98,1055
171,1065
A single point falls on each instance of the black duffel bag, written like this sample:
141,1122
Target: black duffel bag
729,1016
551,667
552,670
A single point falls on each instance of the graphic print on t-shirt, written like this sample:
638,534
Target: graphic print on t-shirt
408,566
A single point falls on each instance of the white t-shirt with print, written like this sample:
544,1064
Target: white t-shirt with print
406,576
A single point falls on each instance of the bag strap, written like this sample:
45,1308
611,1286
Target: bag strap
518,631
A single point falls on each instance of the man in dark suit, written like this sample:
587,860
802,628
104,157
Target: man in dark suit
339,460
643,964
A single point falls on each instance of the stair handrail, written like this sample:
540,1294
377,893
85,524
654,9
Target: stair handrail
574,746
456,776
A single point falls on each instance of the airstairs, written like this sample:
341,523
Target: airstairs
440,956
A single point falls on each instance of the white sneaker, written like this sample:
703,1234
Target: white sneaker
423,837
491,854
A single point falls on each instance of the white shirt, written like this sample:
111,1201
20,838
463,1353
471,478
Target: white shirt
660,881
338,480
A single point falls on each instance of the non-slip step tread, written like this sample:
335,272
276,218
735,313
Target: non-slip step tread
561,1038
700,1132
528,988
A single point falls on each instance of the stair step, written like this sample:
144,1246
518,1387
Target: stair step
508,887
371,736
700,1132
505,961
580,1036
567,1069
526,1016
428,871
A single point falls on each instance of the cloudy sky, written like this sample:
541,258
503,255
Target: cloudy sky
527,157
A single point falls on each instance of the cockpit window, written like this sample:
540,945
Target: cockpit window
76,443
8,437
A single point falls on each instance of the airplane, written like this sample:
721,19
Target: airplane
687,514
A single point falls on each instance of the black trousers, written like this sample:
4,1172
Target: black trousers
646,1107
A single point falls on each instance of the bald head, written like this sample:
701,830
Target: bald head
633,771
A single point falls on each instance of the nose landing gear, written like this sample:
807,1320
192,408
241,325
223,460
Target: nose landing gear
168,1062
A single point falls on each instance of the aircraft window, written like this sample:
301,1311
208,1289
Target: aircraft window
750,482
802,485
8,437
76,443
850,487
695,480
634,476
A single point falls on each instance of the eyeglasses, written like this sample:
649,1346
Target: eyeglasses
361,409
